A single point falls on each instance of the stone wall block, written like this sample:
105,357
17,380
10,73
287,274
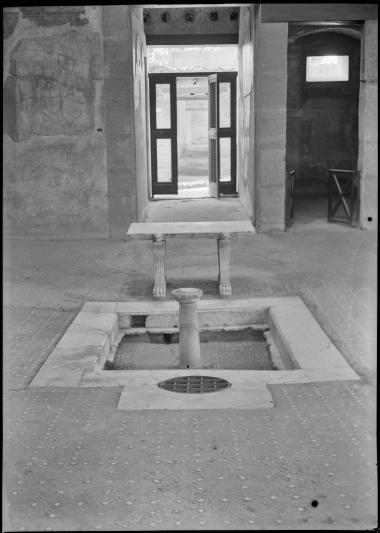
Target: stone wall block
118,92
368,128
370,169
68,54
121,144
271,103
121,214
116,22
371,111
272,123
272,91
10,20
55,83
55,15
24,109
120,183
57,187
369,209
9,108
273,51
118,123
272,207
370,48
120,159
117,64
96,65
272,160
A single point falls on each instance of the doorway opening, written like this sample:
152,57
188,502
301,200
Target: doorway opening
192,95
192,136
322,126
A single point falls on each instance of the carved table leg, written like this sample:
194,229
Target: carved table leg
224,252
159,249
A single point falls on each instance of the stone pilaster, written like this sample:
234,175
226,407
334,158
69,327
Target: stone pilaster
368,127
271,43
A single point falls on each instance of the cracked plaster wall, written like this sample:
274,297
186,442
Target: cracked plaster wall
55,178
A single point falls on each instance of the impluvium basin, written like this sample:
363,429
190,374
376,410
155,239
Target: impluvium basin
298,347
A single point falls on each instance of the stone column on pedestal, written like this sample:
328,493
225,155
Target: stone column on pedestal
189,342
159,249
224,252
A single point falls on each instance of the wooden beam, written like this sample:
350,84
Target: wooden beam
317,12
189,6
191,38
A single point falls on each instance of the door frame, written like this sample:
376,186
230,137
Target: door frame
224,188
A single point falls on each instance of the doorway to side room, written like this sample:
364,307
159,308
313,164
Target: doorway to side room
322,125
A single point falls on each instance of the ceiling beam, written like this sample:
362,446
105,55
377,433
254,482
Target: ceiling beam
192,39
188,6
317,12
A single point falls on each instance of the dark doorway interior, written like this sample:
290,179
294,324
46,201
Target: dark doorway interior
322,126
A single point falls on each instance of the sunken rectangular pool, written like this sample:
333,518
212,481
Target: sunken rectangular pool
239,348
250,343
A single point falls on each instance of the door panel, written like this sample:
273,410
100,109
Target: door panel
227,132
213,136
225,160
164,160
163,115
225,104
163,125
222,133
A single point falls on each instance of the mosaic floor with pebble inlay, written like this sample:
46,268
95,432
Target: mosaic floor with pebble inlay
73,462
92,467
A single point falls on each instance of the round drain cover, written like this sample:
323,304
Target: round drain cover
194,384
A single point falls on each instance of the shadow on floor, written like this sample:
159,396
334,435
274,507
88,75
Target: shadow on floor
310,212
193,210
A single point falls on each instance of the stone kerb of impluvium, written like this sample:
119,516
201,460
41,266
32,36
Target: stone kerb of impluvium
189,341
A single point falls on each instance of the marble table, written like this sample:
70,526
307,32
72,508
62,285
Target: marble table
222,231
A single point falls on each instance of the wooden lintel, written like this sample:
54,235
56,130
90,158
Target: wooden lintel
191,38
317,12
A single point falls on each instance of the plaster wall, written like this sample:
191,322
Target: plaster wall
125,95
270,87
54,151
120,117
140,105
246,112
368,127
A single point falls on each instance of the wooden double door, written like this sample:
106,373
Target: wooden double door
221,132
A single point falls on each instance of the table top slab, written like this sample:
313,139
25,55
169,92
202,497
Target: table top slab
147,230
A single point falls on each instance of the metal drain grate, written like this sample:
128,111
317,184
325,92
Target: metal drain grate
194,384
